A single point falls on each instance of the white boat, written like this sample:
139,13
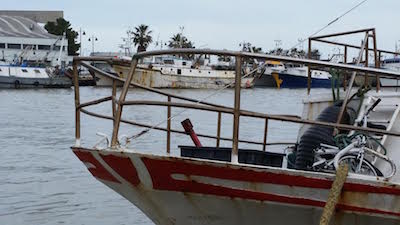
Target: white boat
26,77
212,185
394,65
178,73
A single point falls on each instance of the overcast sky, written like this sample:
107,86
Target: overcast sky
222,23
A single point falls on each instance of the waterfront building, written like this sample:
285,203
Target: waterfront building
23,39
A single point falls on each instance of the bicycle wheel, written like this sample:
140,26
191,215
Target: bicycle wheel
366,167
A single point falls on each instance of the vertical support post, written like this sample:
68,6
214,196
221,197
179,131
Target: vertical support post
236,111
352,78
169,126
114,140
309,69
265,134
366,60
114,94
345,73
219,129
77,103
377,60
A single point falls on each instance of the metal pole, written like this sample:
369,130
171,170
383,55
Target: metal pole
376,59
114,140
219,129
366,62
169,127
265,135
353,77
114,94
77,103
309,69
236,113
345,73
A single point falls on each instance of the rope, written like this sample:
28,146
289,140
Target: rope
330,23
334,194
128,139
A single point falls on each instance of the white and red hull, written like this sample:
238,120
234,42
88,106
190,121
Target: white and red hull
181,191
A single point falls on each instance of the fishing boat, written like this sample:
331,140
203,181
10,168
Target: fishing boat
290,75
31,77
179,73
352,180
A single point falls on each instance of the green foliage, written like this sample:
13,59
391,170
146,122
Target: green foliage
60,27
142,37
180,41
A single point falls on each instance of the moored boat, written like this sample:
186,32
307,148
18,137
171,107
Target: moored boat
28,77
177,73
212,185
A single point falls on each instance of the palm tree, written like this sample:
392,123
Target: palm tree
180,41
142,37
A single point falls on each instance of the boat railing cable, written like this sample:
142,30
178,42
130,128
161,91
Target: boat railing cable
330,23
129,138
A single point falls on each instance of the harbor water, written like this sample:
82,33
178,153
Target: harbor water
41,180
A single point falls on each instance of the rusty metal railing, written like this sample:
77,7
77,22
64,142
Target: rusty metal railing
118,104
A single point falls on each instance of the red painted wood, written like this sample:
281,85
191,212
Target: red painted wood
98,171
123,166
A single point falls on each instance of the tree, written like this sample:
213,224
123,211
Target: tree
61,27
180,41
142,37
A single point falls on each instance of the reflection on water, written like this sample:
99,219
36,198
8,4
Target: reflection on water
42,182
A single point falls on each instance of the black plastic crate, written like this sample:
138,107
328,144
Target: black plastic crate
247,156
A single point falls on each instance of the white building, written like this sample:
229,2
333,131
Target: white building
22,39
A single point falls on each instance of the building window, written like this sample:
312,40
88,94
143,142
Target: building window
44,47
30,47
2,45
14,46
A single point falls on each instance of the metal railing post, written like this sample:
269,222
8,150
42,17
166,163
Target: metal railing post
345,73
113,100
114,140
169,126
265,135
352,79
377,61
366,61
309,68
77,103
219,129
236,114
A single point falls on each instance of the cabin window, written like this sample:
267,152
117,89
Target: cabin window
56,48
209,72
0,70
183,63
24,70
179,71
190,70
2,45
14,46
44,47
169,61
30,47
37,71
172,69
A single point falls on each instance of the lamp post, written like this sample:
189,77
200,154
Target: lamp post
93,39
80,40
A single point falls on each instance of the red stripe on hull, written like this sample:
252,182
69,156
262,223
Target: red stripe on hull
161,174
181,167
98,171
124,167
